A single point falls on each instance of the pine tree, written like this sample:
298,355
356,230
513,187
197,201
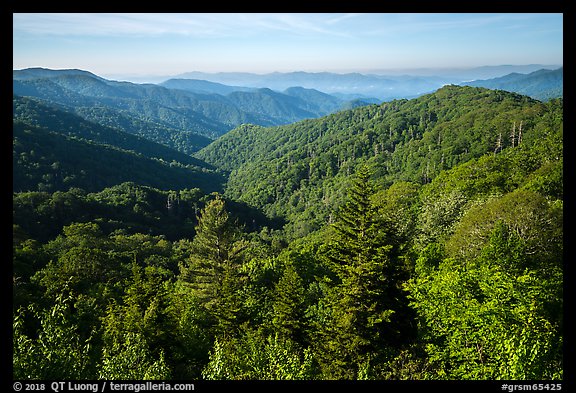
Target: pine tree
367,306
288,305
213,271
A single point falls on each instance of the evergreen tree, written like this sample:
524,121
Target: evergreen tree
214,270
367,306
289,305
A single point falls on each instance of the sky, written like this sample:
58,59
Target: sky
170,44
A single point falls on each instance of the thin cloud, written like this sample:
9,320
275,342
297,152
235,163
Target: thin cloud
116,24
343,17
394,24
200,25
304,24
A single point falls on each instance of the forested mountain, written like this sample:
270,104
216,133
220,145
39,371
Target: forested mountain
317,102
55,150
37,72
414,239
174,109
183,141
35,113
287,170
542,85
268,107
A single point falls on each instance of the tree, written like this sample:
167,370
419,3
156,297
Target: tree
484,318
254,356
213,270
56,350
535,220
397,205
288,305
368,310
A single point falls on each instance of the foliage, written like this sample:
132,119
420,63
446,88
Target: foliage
56,351
135,329
257,357
483,320
130,360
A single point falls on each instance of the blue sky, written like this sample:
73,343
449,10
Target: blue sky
169,44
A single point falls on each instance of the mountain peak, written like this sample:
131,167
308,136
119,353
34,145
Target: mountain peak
39,72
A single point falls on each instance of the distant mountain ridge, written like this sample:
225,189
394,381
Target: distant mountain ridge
178,113
542,85
381,84
360,85
292,104
202,86
39,72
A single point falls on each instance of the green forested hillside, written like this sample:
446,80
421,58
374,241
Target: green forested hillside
49,161
287,170
55,150
184,141
414,240
34,113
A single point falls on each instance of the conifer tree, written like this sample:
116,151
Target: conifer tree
289,305
367,306
214,267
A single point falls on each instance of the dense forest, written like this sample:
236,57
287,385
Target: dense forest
55,150
416,239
